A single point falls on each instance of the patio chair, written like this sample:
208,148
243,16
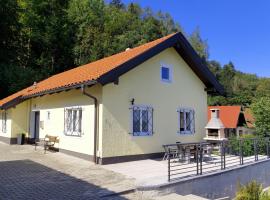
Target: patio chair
180,153
187,154
48,142
207,153
169,151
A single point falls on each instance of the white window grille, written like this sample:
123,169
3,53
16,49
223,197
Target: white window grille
186,121
73,121
141,120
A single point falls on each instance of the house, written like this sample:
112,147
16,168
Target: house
120,108
226,121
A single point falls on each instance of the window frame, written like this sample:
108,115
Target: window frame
69,130
169,67
149,109
191,112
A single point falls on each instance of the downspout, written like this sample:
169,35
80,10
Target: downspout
96,121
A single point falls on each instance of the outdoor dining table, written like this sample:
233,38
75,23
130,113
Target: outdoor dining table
184,147
188,149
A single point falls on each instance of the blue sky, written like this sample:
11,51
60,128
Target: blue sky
236,30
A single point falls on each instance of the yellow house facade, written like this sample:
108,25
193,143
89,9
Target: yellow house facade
120,108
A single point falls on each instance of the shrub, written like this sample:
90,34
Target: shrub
248,146
252,191
260,110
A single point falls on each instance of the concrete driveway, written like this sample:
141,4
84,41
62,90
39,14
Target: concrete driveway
29,174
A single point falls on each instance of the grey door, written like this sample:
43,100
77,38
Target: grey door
36,131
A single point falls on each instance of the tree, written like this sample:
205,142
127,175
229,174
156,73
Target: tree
199,44
263,88
168,24
9,41
117,3
261,110
103,30
47,35
87,17
134,9
10,28
215,67
227,76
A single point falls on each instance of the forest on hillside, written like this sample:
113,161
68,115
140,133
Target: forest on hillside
39,38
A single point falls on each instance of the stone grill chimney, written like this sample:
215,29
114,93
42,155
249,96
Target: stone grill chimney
215,127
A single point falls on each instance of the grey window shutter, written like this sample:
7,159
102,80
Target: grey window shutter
193,121
136,120
80,121
131,120
68,120
150,120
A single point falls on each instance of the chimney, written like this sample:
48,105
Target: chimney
214,122
215,128
214,113
35,85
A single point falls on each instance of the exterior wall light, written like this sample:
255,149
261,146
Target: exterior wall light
132,101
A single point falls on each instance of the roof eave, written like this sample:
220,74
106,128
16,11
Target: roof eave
12,103
61,89
191,57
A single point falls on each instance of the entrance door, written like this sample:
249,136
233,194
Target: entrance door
36,130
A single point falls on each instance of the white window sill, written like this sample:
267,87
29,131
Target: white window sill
166,80
188,133
139,134
73,134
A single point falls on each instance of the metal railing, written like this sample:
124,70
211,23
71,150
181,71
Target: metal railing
192,159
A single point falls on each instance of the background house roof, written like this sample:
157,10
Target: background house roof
249,118
229,115
108,69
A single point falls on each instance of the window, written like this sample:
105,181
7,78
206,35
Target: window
73,121
186,120
141,120
165,73
4,122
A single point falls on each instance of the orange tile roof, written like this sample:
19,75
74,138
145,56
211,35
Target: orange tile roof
229,115
249,118
85,73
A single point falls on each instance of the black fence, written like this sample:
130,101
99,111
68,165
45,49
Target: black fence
192,159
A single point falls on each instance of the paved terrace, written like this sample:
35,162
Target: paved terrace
29,174
150,173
